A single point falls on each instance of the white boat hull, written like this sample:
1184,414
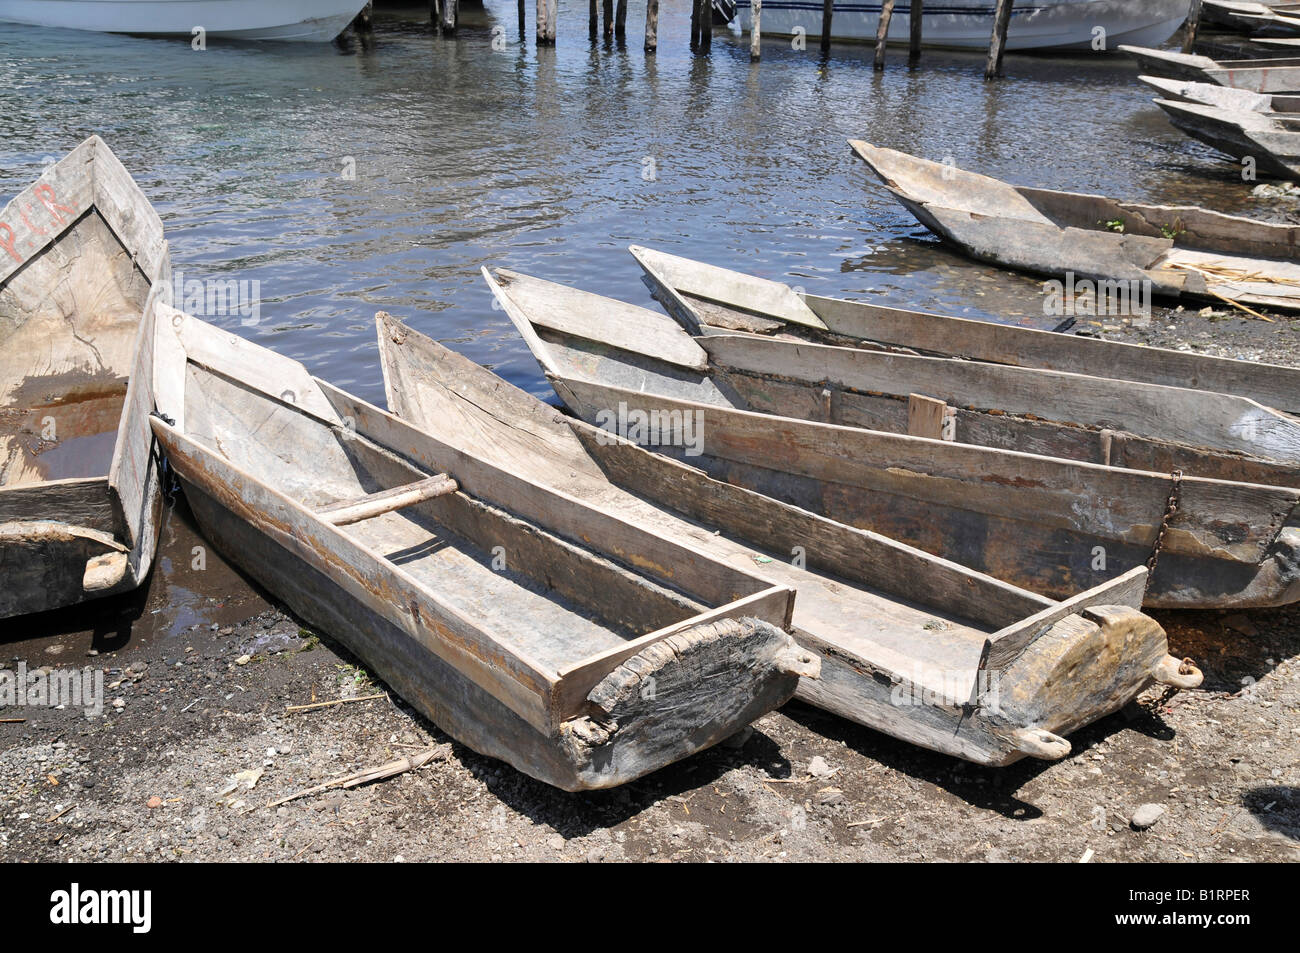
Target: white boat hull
308,21
1066,25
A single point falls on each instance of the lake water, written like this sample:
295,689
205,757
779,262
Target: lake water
466,155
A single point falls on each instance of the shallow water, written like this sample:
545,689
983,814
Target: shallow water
538,160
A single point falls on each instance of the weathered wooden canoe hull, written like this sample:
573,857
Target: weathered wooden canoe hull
645,651
1059,234
708,299
1051,667
1234,133
1274,75
82,250
582,759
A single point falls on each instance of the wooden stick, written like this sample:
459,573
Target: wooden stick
828,11
882,32
55,817
1191,26
651,25
756,31
12,721
914,22
392,768
1238,304
386,501
998,41
337,701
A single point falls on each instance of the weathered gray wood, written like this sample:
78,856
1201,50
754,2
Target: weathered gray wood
1038,521
79,252
651,25
546,22
998,40
882,32
1271,75
698,294
756,31
552,631
1191,27
1057,233
884,618
386,501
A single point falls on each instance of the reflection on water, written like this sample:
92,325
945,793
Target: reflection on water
553,161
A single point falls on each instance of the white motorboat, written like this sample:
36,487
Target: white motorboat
308,21
1062,25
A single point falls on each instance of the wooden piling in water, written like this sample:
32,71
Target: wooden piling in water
756,31
607,7
620,21
882,32
523,19
545,22
450,16
695,24
651,25
1191,26
362,22
914,12
828,12
593,19
706,26
998,41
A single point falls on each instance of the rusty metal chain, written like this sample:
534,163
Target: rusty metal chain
1171,507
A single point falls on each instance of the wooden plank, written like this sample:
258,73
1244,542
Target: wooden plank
1005,645
386,501
1176,415
581,314
40,213
925,416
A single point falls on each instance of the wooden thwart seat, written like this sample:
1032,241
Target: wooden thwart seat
386,501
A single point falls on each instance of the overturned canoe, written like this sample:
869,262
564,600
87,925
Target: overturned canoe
1045,523
1280,75
1180,251
708,299
528,625
910,644
80,250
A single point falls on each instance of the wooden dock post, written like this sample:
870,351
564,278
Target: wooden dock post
608,10
450,14
545,22
651,25
523,19
620,21
706,26
362,22
1191,26
695,24
998,41
828,11
914,13
756,31
882,32
593,19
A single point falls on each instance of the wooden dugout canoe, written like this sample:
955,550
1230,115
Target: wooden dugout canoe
707,299
80,250
1279,105
1269,140
1038,522
529,626
1059,234
910,644
1274,75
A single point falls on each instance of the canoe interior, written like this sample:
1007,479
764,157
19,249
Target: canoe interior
858,592
68,323
551,600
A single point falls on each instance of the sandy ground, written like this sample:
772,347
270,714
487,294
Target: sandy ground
184,768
